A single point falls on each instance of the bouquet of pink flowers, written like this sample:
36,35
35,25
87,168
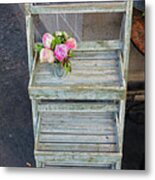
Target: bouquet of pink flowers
56,48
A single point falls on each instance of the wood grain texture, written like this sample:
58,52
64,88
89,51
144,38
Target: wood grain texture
77,132
127,35
71,8
84,159
30,40
98,78
86,134
59,107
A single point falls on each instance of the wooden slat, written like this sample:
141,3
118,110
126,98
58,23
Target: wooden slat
99,45
78,157
78,128
77,107
101,7
73,116
77,132
91,55
79,160
127,35
76,138
30,40
89,79
77,147
103,166
76,93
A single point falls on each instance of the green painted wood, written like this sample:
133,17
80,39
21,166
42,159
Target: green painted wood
92,55
34,105
78,157
78,147
89,79
88,94
71,138
77,107
37,133
82,134
121,122
127,35
30,38
102,166
71,8
99,45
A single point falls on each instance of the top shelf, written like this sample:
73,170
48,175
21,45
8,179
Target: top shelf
78,7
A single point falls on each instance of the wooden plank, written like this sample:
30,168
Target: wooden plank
92,55
99,45
74,116
37,133
56,158
127,34
49,164
34,115
75,123
94,65
80,71
121,122
73,8
94,79
79,157
76,147
30,40
78,129
77,107
87,93
50,118
67,138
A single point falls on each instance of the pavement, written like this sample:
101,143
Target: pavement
16,132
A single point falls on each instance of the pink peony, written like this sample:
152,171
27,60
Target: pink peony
47,40
61,52
71,43
46,55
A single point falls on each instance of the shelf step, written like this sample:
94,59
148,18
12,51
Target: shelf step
95,75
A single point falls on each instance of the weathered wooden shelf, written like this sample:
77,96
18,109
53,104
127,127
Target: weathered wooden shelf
78,120
94,76
78,138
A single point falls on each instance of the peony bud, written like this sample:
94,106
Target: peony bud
46,55
47,40
71,44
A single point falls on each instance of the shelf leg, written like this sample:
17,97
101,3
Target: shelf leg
34,115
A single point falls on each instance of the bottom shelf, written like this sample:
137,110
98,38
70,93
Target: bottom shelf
80,139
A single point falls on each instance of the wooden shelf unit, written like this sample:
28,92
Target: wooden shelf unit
79,120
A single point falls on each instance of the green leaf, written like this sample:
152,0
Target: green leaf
71,55
58,40
53,44
38,47
67,67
